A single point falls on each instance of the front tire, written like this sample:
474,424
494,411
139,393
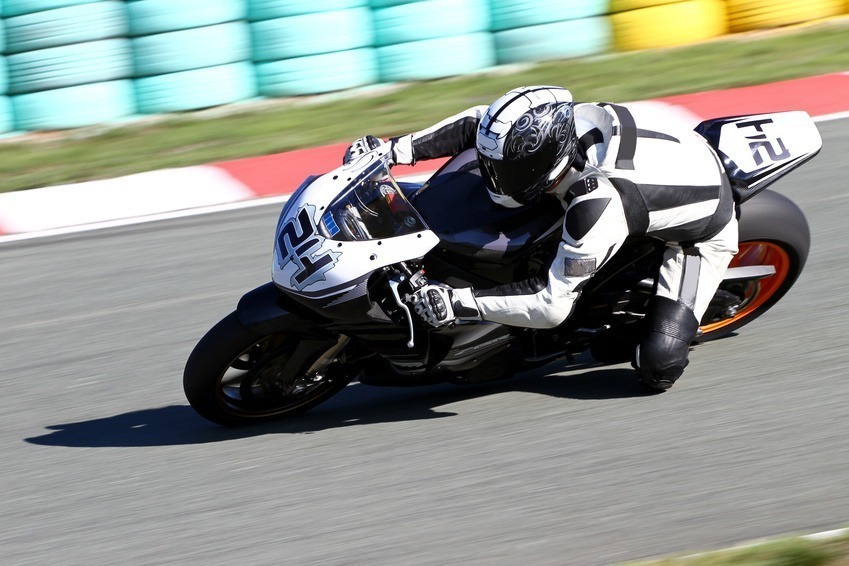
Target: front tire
237,377
773,231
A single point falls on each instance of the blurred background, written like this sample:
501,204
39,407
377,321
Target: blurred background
73,63
103,461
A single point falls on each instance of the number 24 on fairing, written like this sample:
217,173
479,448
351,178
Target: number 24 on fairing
299,243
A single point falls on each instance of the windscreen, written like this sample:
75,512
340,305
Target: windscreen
373,209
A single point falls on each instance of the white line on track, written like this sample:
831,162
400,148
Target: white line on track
166,215
225,207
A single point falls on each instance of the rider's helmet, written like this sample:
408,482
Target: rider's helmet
526,143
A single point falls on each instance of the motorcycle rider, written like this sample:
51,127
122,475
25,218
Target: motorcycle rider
616,178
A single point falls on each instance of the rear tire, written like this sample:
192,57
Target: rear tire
237,377
773,231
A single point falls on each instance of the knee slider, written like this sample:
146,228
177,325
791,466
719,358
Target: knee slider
664,351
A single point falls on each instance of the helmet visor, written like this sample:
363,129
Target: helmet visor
523,179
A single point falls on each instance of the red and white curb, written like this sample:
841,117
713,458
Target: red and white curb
187,191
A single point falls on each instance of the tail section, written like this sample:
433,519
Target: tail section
756,150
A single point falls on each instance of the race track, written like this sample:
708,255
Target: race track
103,462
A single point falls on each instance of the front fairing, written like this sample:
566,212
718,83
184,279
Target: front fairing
340,227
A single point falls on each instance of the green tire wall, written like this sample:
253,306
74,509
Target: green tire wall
429,19
271,9
312,75
4,75
511,14
436,58
20,7
188,49
70,65
75,106
73,63
388,3
196,89
148,17
311,34
7,115
559,40
64,26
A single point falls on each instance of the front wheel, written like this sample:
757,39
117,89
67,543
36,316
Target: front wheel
236,377
773,232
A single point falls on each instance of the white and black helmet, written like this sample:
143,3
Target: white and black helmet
526,143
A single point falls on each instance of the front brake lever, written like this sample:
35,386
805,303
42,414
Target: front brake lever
393,286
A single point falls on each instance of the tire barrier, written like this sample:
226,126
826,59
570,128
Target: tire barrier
70,65
4,75
746,15
311,34
429,19
436,58
184,50
431,39
196,89
64,26
388,3
316,74
7,115
21,7
668,25
75,106
511,14
148,17
270,9
628,5
560,40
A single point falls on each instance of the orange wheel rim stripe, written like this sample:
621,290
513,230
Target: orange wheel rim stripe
757,253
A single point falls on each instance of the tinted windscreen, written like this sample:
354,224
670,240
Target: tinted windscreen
371,210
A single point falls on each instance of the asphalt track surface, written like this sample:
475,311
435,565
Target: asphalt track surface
103,461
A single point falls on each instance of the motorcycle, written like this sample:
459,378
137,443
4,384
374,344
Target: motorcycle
352,243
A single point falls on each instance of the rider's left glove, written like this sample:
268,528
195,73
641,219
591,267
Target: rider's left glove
360,147
439,305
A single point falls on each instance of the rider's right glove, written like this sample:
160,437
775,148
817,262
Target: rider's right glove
360,147
440,305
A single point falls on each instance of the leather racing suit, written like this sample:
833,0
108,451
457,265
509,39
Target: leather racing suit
635,176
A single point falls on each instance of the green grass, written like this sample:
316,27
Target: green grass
43,159
784,552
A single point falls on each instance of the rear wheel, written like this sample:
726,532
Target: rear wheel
773,232
237,377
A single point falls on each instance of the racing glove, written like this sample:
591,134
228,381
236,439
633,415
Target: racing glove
360,147
440,305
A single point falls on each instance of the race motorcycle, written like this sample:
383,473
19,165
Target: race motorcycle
353,243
